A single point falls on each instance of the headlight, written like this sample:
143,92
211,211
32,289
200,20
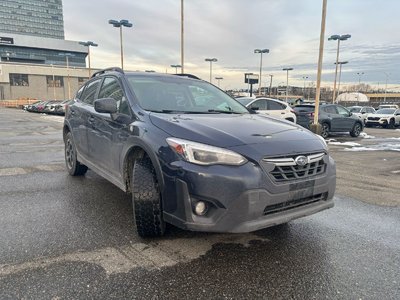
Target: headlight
202,154
323,141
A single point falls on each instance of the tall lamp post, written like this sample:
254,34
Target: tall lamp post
211,60
261,51
120,24
88,44
359,79
304,86
176,68
337,38
387,76
219,79
287,81
67,55
340,63
270,85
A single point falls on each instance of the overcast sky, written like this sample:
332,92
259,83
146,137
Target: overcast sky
230,30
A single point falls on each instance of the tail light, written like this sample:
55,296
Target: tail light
311,114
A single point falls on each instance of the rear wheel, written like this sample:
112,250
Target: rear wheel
355,132
74,167
146,200
325,130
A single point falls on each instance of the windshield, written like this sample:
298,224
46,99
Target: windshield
354,109
178,95
386,111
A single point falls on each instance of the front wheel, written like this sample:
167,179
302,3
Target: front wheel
325,130
355,132
146,200
391,124
74,167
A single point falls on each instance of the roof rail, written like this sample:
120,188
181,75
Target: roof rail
188,75
113,69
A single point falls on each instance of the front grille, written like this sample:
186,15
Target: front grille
275,208
286,169
373,119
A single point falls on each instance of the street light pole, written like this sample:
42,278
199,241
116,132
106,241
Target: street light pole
304,87
387,76
338,38
120,24
176,68
261,51
211,60
88,44
67,55
287,81
182,39
218,79
340,73
270,84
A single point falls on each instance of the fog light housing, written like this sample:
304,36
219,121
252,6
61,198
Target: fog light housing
200,208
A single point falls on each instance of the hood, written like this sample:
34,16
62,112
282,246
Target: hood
380,115
223,130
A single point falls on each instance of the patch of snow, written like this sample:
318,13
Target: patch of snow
379,147
351,144
366,136
330,140
393,138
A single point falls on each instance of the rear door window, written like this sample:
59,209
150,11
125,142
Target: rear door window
272,105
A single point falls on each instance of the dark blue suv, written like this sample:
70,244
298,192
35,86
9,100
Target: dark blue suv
194,157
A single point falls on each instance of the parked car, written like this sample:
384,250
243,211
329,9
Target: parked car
50,106
332,117
382,106
361,111
269,106
192,156
28,107
38,107
386,117
61,107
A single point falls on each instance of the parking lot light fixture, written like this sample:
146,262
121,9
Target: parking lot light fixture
211,60
287,81
261,51
337,38
89,44
219,79
176,68
120,24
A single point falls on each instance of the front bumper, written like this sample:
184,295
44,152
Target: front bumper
380,122
246,200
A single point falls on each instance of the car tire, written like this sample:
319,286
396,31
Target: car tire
146,200
391,124
74,167
357,128
325,130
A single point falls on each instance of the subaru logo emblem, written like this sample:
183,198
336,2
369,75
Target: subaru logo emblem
301,161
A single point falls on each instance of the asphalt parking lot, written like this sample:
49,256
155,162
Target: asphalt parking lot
73,238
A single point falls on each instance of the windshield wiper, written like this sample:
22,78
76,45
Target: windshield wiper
223,111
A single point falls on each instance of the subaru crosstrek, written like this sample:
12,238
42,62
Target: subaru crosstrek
194,157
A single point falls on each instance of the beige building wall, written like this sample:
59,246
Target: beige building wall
37,78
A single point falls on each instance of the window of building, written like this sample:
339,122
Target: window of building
19,79
56,82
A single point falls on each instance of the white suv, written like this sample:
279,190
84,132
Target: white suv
269,106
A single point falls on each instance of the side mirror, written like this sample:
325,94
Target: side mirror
350,114
105,105
363,112
255,108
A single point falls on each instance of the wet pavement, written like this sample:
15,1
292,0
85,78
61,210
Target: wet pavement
73,238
